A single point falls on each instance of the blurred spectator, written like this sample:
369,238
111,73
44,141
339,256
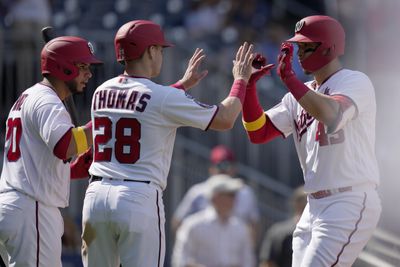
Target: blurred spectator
248,17
203,19
213,237
222,162
27,18
276,249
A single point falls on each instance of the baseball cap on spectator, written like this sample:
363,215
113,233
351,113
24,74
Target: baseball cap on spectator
221,153
222,183
222,159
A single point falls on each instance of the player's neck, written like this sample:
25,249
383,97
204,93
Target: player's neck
58,86
325,72
137,69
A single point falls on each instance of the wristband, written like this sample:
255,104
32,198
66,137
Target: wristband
88,125
80,139
255,125
178,85
296,87
238,90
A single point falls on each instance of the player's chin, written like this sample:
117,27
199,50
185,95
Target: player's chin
78,90
81,88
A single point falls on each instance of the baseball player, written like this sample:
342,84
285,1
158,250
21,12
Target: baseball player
134,127
40,138
332,120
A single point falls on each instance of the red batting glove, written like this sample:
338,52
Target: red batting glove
258,63
285,70
80,166
286,73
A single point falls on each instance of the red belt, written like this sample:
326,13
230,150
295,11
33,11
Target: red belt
327,193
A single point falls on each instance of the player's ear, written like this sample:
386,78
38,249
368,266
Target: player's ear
152,51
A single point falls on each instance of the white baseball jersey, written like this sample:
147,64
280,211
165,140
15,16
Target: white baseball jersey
342,157
35,124
134,127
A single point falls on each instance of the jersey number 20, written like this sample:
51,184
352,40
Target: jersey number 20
127,136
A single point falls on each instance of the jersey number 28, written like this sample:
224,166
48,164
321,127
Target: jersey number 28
126,146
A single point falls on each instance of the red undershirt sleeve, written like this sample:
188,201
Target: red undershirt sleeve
60,150
257,124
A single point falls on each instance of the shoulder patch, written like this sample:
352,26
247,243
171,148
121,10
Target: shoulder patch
198,102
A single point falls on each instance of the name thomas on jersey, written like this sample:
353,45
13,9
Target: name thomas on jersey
120,99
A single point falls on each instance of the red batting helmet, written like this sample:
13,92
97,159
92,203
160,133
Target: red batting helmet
324,30
134,37
60,55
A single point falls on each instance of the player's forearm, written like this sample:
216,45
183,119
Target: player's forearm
227,114
322,107
230,107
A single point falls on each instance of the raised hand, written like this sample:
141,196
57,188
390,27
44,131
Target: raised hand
193,75
243,61
261,69
285,61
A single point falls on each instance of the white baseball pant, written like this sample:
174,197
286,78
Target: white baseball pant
123,222
333,230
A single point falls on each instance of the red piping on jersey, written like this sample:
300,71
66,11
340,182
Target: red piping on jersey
159,232
352,233
133,76
37,235
215,113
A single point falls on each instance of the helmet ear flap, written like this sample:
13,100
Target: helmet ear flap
59,68
328,51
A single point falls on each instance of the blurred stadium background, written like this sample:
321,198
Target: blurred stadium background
219,26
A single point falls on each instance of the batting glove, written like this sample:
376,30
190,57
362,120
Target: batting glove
285,70
258,63
80,166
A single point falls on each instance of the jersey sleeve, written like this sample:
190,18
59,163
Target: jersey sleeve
185,110
281,115
357,87
355,94
52,121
